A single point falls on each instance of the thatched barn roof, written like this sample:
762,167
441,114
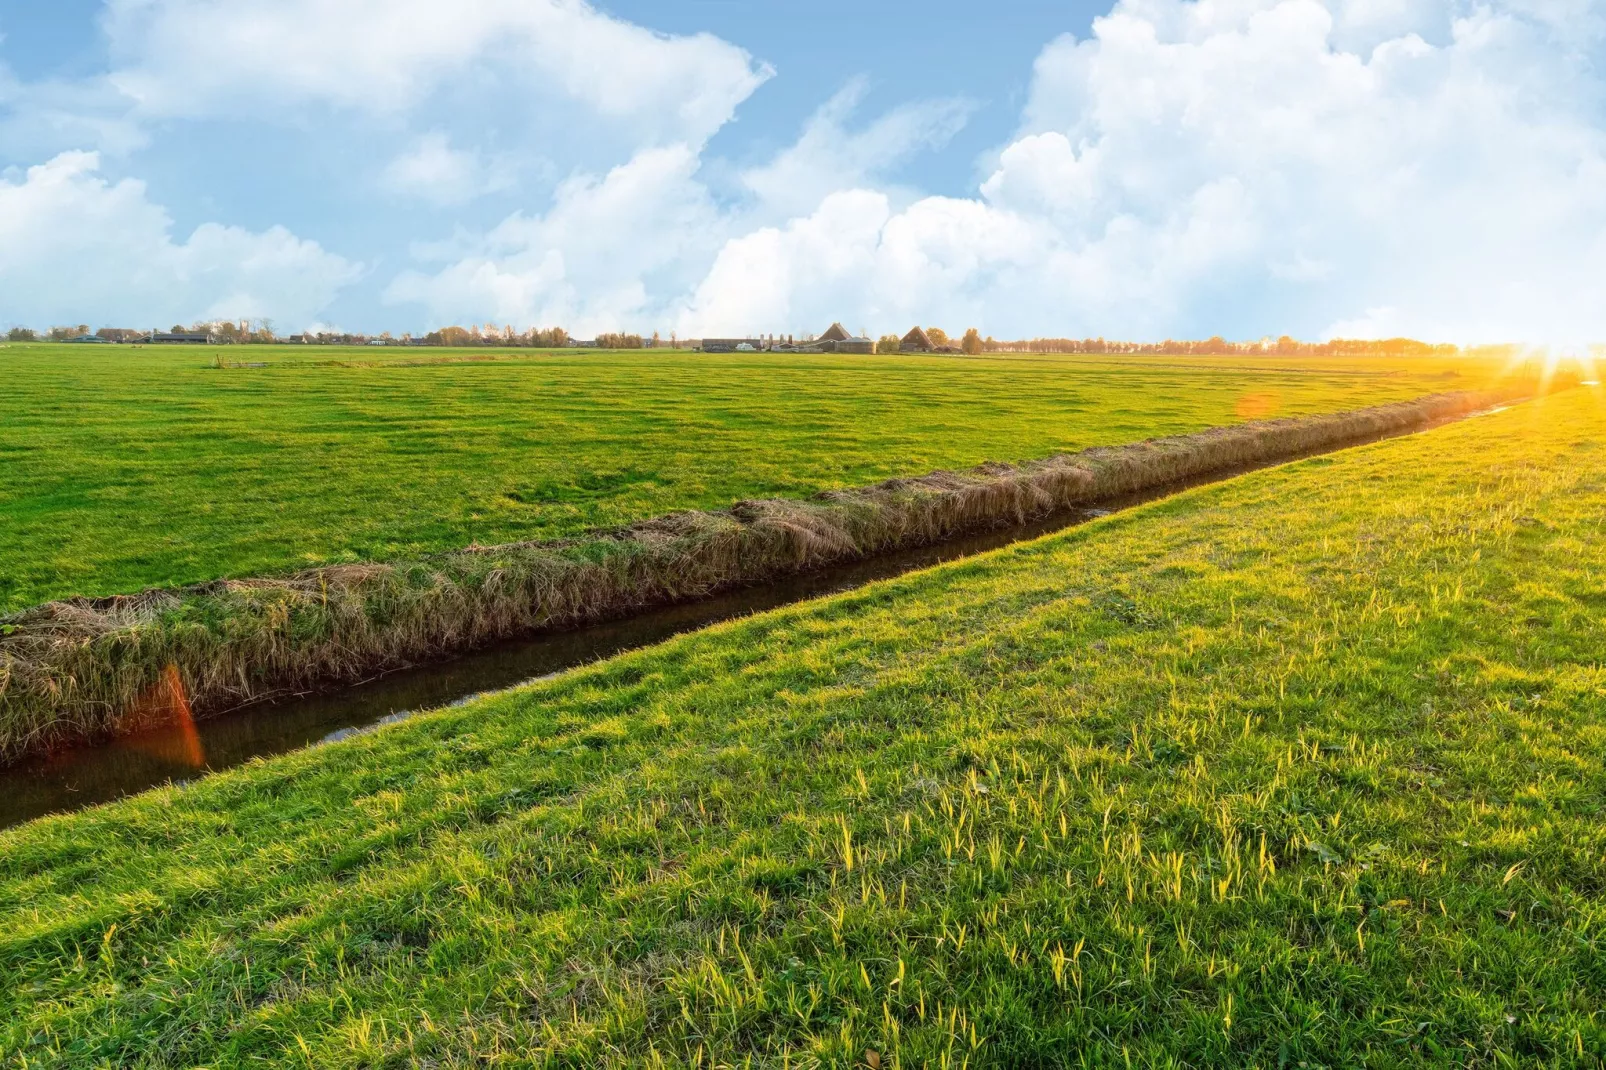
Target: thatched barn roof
917,338
834,333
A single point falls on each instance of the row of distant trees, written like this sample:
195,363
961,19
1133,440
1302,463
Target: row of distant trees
972,342
67,334
1218,346
506,336
222,330
491,335
262,331
246,332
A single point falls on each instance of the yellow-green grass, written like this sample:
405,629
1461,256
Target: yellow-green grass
123,468
72,670
1307,767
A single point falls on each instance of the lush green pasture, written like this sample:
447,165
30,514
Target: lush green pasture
122,468
1307,768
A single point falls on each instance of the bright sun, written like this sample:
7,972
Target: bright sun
1575,359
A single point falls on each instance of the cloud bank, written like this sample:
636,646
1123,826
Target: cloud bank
386,58
1241,168
73,243
1192,167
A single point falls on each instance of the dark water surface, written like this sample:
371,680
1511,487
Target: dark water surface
83,776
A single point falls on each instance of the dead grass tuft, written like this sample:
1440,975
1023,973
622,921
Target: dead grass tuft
80,668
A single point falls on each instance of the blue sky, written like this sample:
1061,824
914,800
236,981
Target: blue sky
1149,169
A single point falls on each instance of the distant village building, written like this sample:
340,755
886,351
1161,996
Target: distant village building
836,339
729,345
179,338
916,341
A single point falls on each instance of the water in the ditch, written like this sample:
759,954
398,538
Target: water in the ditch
82,776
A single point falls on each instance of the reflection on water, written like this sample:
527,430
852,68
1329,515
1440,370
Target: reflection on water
87,775
167,703
186,748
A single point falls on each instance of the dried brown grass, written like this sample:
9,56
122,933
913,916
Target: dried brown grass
77,669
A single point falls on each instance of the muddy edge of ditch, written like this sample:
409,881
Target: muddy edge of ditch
75,777
81,670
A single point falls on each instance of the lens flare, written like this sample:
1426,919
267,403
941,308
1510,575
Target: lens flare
1258,406
164,726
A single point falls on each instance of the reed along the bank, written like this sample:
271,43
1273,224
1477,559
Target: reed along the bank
81,669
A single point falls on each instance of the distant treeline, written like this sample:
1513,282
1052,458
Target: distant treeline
537,338
500,337
970,341
1218,346
245,332
68,334
222,331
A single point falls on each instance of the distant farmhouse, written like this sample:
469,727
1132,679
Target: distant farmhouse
731,345
178,338
916,341
836,339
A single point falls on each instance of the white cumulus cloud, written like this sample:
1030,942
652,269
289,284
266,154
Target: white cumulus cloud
76,247
623,249
1242,167
599,259
832,155
435,171
385,57
1192,167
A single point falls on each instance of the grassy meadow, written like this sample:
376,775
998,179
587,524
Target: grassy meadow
71,672
1302,769
124,468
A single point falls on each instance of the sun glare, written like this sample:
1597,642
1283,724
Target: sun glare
1556,363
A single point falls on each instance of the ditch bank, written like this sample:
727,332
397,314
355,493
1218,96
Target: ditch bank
79,670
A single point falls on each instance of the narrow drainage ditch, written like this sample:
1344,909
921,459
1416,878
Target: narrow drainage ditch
74,778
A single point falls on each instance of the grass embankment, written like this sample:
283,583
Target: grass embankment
1304,767
82,669
122,469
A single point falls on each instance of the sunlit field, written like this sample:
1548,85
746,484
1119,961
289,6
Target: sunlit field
1302,768
124,468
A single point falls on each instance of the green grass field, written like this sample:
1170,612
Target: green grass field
1303,769
124,468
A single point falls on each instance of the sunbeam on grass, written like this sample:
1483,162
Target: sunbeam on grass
1307,767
